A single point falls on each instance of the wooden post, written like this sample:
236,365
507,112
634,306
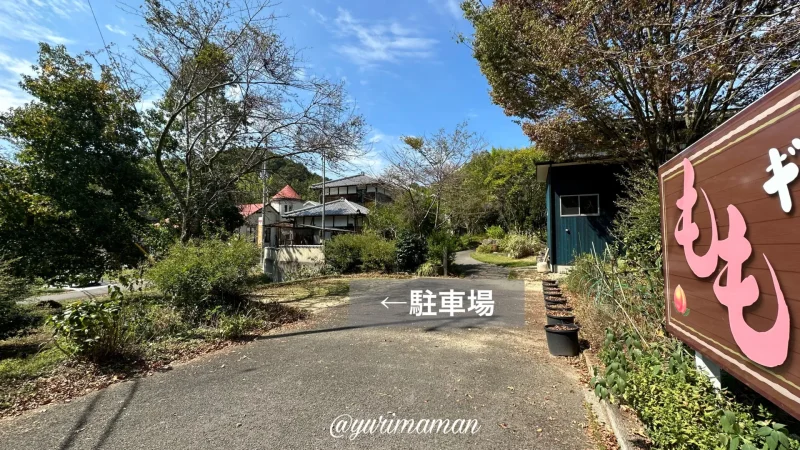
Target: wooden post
444,261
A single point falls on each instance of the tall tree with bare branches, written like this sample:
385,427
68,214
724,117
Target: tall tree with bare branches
425,170
231,95
633,77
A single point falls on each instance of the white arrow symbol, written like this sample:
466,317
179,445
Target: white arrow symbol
386,304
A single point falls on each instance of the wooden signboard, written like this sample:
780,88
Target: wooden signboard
730,209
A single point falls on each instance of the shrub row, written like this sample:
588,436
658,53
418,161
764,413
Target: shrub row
678,404
348,253
515,245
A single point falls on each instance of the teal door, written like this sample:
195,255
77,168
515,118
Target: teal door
581,210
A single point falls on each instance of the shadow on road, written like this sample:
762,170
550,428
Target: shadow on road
89,410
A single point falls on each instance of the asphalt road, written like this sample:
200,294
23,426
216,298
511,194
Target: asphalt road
71,294
285,390
473,268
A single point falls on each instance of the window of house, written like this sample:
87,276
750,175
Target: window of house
285,208
580,205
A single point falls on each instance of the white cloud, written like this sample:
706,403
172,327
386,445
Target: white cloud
11,95
371,163
15,66
116,29
317,15
451,7
371,44
27,20
12,98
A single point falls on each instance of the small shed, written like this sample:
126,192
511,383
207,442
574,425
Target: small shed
581,196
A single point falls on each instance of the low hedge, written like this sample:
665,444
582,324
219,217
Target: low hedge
349,253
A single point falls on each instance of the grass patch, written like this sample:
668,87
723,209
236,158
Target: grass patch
31,366
47,290
503,260
303,290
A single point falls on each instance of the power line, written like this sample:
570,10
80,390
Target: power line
111,61
102,38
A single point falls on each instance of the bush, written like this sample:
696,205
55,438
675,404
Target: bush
205,273
520,245
149,319
428,269
440,241
677,403
378,255
232,324
348,253
495,232
411,249
487,248
610,293
12,289
92,329
469,241
637,225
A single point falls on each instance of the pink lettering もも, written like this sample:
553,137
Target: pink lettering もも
768,348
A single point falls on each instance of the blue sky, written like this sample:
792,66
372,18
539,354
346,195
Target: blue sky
399,59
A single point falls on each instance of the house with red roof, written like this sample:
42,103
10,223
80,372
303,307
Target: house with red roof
252,217
286,200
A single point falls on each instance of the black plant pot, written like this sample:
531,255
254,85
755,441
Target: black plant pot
562,342
554,301
553,292
550,283
557,307
559,320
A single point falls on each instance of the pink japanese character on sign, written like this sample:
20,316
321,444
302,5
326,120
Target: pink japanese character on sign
768,348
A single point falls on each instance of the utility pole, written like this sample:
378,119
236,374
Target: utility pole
322,238
263,229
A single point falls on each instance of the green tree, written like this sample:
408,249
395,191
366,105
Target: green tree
499,187
281,171
632,78
74,196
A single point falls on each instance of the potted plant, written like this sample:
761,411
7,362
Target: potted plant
553,297
554,301
562,339
558,317
558,307
551,283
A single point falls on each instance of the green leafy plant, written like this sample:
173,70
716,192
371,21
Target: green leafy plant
439,243
91,329
412,249
428,269
204,273
520,245
677,403
487,248
495,232
348,253
637,225
12,289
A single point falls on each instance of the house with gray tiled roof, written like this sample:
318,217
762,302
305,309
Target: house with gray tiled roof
341,216
361,189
